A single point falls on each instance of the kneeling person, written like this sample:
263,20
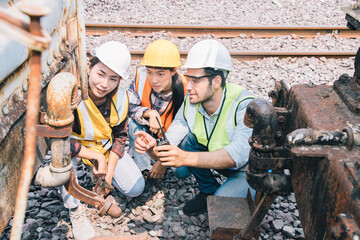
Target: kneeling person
100,131
208,128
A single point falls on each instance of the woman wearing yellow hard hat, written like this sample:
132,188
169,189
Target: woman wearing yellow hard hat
157,91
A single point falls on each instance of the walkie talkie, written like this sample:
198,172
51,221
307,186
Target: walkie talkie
162,140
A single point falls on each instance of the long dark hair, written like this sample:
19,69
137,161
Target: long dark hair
177,89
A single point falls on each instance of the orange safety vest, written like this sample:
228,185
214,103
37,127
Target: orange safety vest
143,88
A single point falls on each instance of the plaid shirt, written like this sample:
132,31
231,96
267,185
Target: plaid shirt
119,132
159,102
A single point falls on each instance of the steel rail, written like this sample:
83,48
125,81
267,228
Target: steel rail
100,29
255,55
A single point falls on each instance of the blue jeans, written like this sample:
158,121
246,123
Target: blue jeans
143,161
235,185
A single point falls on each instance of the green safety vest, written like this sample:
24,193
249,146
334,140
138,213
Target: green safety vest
223,131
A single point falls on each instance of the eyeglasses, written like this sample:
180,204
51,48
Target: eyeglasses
195,80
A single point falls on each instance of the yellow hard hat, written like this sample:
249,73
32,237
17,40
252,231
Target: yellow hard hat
161,53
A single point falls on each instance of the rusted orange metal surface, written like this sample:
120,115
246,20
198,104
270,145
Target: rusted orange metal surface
105,206
321,152
324,188
64,54
62,98
33,107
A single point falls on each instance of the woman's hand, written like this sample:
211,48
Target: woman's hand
144,142
102,165
153,123
158,170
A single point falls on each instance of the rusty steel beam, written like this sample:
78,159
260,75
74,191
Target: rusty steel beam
101,29
33,106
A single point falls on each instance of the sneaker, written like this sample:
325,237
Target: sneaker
81,226
196,205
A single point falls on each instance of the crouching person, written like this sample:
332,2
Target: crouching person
100,131
155,94
208,128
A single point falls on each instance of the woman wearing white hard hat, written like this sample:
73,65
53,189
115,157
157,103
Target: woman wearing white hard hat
100,131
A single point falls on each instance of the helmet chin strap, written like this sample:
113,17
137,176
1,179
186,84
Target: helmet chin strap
225,72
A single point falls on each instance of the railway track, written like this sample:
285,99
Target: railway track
179,31
101,29
255,55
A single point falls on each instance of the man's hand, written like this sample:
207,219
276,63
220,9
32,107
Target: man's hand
153,124
158,170
143,142
170,155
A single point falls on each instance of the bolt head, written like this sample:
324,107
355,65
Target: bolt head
5,110
15,98
24,87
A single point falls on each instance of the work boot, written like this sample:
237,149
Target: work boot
196,205
81,226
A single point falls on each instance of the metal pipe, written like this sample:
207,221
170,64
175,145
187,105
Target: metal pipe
82,51
62,98
307,136
33,106
60,168
261,116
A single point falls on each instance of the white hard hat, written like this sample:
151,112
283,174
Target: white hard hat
114,55
209,53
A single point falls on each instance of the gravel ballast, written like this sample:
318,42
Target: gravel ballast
161,215
223,12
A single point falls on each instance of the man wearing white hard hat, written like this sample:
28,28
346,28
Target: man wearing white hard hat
208,131
100,132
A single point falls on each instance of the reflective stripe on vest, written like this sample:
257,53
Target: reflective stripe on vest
223,130
143,88
96,133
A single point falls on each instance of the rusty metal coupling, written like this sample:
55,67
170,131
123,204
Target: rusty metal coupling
62,98
261,116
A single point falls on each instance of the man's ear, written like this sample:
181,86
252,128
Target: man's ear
216,82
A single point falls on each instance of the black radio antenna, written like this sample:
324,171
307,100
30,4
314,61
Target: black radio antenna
162,131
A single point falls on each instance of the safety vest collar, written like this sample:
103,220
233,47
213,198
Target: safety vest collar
96,132
225,124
